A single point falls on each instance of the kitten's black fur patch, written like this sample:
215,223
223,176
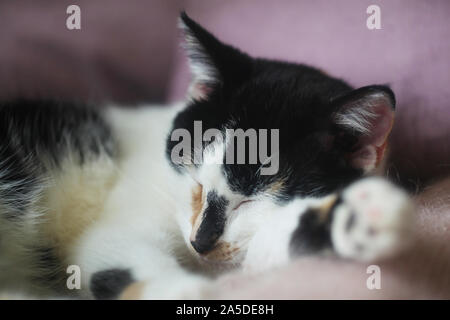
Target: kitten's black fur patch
50,127
50,273
109,284
36,136
299,100
212,225
311,235
350,222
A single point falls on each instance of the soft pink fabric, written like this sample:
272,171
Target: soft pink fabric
411,53
123,51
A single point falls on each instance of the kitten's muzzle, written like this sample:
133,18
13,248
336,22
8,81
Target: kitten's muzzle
211,227
210,224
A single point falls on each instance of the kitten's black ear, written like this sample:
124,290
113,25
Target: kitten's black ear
212,62
367,114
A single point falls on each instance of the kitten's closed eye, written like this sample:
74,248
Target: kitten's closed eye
242,203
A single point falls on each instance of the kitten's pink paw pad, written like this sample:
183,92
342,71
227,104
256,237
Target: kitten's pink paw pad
373,221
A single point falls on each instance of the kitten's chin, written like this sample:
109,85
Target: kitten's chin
217,260
218,265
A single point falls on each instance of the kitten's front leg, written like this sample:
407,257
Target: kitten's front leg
121,261
173,284
178,287
369,220
187,287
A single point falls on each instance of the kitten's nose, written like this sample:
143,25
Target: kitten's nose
202,247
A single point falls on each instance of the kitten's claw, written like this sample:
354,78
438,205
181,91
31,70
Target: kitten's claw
372,221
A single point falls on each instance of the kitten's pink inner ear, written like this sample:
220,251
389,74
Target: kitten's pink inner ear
199,90
372,145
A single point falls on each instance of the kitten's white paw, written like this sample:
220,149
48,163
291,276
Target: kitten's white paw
373,221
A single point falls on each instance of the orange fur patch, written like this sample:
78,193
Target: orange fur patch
325,207
133,291
277,186
196,203
222,252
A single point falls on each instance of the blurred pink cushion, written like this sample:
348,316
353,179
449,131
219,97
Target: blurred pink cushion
122,52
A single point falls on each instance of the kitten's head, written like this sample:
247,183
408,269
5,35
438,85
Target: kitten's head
328,135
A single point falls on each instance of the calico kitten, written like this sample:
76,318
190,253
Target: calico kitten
97,188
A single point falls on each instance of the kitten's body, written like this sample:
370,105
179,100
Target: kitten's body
96,187
132,193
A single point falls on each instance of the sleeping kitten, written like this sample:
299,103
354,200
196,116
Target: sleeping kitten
98,188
